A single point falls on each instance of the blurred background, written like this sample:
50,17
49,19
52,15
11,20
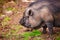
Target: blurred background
11,12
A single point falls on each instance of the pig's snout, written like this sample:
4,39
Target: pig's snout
24,23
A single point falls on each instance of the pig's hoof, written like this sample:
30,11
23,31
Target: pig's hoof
44,32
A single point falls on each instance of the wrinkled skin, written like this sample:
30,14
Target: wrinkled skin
45,13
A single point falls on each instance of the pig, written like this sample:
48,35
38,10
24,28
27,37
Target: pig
42,13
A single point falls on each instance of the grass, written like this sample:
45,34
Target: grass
9,8
5,21
34,33
15,29
9,29
58,38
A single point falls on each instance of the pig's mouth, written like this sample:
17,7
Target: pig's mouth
27,25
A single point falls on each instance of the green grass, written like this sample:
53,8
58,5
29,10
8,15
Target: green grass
34,33
24,36
5,21
58,38
7,18
9,8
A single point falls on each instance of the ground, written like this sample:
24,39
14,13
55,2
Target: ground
12,15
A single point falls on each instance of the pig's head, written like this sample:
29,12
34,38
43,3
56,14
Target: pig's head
31,18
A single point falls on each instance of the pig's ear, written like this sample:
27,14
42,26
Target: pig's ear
30,13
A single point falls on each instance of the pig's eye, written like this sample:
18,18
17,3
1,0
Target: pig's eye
30,13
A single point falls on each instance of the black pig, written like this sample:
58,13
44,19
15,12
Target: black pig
45,13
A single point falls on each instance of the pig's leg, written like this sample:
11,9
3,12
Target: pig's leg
50,27
44,29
